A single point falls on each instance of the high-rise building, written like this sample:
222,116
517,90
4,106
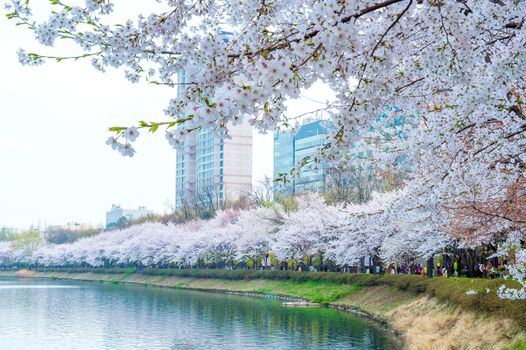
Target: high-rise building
212,169
291,148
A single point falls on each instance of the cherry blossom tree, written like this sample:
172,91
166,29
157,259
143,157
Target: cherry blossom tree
456,68
6,252
339,234
255,234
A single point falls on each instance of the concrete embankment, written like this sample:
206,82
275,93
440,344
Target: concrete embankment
421,321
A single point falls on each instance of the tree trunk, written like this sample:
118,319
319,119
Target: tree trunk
430,267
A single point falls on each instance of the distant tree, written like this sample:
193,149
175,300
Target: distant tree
351,185
185,212
123,222
262,194
241,202
27,242
62,236
147,218
339,188
288,203
357,183
7,234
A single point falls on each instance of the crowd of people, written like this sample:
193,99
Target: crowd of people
495,269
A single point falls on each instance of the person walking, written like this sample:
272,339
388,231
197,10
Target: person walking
466,271
490,270
482,270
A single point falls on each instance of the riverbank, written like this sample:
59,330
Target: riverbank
422,318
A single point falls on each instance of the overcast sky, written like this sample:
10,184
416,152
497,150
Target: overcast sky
54,164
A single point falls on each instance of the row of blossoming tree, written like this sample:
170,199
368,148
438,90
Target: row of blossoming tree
456,68
338,236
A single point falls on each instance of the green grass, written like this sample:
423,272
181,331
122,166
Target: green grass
130,271
317,291
518,345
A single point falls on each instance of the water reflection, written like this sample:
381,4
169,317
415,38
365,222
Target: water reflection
68,315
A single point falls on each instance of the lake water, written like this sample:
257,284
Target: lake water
47,314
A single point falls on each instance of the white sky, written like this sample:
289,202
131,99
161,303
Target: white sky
54,164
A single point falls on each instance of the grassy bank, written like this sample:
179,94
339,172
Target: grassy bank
326,287
427,313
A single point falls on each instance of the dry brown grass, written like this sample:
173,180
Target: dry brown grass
379,299
24,272
427,323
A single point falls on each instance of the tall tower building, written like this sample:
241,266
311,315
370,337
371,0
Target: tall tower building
290,148
211,169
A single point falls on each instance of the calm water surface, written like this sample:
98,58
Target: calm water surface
46,314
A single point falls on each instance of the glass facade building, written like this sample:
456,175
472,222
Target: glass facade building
291,148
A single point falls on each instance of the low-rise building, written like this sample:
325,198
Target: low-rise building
71,226
119,217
